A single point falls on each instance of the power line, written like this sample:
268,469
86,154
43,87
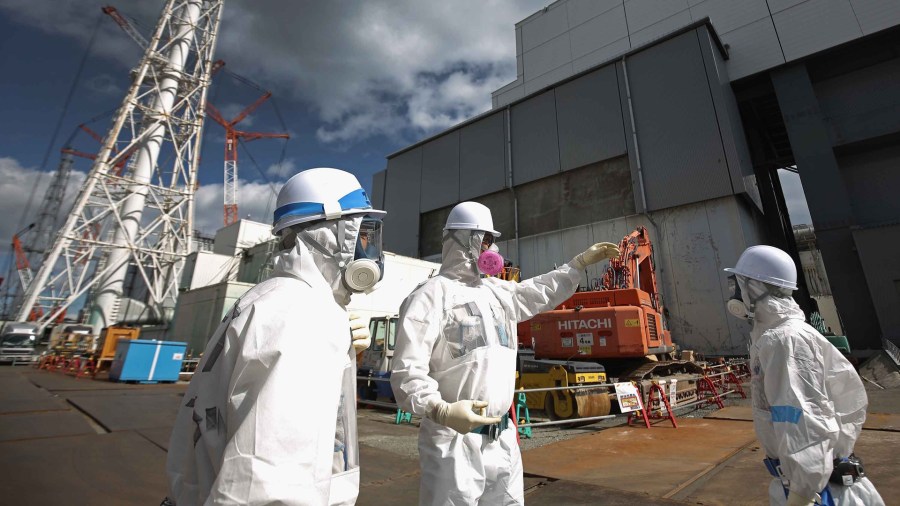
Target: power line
75,82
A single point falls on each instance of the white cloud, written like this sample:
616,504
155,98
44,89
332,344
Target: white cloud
104,84
256,201
17,183
283,170
399,68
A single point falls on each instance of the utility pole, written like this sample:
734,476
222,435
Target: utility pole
144,216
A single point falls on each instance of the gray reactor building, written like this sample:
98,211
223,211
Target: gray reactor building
677,115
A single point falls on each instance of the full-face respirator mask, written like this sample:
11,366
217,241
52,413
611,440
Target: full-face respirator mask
367,267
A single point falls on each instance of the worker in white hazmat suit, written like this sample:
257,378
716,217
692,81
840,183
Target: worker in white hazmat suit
270,414
455,362
809,404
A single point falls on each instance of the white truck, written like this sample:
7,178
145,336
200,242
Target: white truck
401,276
17,342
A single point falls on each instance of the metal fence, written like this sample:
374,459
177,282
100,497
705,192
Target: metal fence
718,379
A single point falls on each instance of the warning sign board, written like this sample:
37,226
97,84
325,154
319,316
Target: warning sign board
629,399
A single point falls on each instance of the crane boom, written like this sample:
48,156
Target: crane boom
123,23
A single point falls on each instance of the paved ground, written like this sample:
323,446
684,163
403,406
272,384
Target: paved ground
65,440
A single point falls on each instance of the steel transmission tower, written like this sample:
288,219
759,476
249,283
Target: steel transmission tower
143,215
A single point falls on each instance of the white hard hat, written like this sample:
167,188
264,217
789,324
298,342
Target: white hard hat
320,194
767,264
471,216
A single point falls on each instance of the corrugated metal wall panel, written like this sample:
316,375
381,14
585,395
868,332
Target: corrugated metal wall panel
664,27
431,230
862,104
879,249
731,129
876,15
581,11
680,147
378,180
815,25
872,180
502,212
589,118
752,48
534,138
643,13
508,96
595,192
482,159
727,15
780,5
599,31
539,206
547,56
544,80
404,182
604,54
545,27
440,172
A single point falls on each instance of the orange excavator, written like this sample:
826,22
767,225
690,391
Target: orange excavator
615,333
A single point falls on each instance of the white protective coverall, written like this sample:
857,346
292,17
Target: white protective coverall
265,418
456,340
809,404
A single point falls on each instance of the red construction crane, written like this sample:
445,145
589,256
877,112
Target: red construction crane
117,170
23,267
232,136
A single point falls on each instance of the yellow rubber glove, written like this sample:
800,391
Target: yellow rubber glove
596,253
359,332
461,416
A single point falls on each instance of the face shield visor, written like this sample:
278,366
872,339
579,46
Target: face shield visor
367,267
487,241
368,242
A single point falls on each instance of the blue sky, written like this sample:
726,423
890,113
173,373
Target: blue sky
354,81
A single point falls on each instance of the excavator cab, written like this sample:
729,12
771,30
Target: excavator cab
375,361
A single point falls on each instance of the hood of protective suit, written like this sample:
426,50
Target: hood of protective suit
318,244
771,305
459,257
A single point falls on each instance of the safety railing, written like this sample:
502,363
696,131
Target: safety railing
718,385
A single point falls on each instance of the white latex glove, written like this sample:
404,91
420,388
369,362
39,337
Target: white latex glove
796,500
460,415
359,333
596,253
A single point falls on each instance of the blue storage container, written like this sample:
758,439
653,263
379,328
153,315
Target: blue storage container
147,361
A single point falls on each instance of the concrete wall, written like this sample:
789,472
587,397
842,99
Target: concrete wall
692,244
570,36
